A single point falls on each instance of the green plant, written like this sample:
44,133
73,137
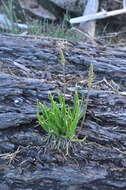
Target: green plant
89,85
8,8
47,28
35,28
61,46
60,120
53,29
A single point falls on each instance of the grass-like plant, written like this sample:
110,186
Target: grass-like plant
9,11
60,120
89,86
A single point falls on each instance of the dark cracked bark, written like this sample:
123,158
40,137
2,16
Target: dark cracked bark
30,70
28,67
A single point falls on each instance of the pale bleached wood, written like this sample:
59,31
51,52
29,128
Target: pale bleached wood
124,4
89,27
100,15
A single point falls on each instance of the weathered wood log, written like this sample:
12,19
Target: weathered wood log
30,69
42,54
89,27
31,65
99,15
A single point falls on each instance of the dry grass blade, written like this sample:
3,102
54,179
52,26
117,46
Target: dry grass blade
11,156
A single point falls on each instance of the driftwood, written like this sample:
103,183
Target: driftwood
30,69
94,15
89,27
100,15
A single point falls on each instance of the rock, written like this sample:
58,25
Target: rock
76,6
36,9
